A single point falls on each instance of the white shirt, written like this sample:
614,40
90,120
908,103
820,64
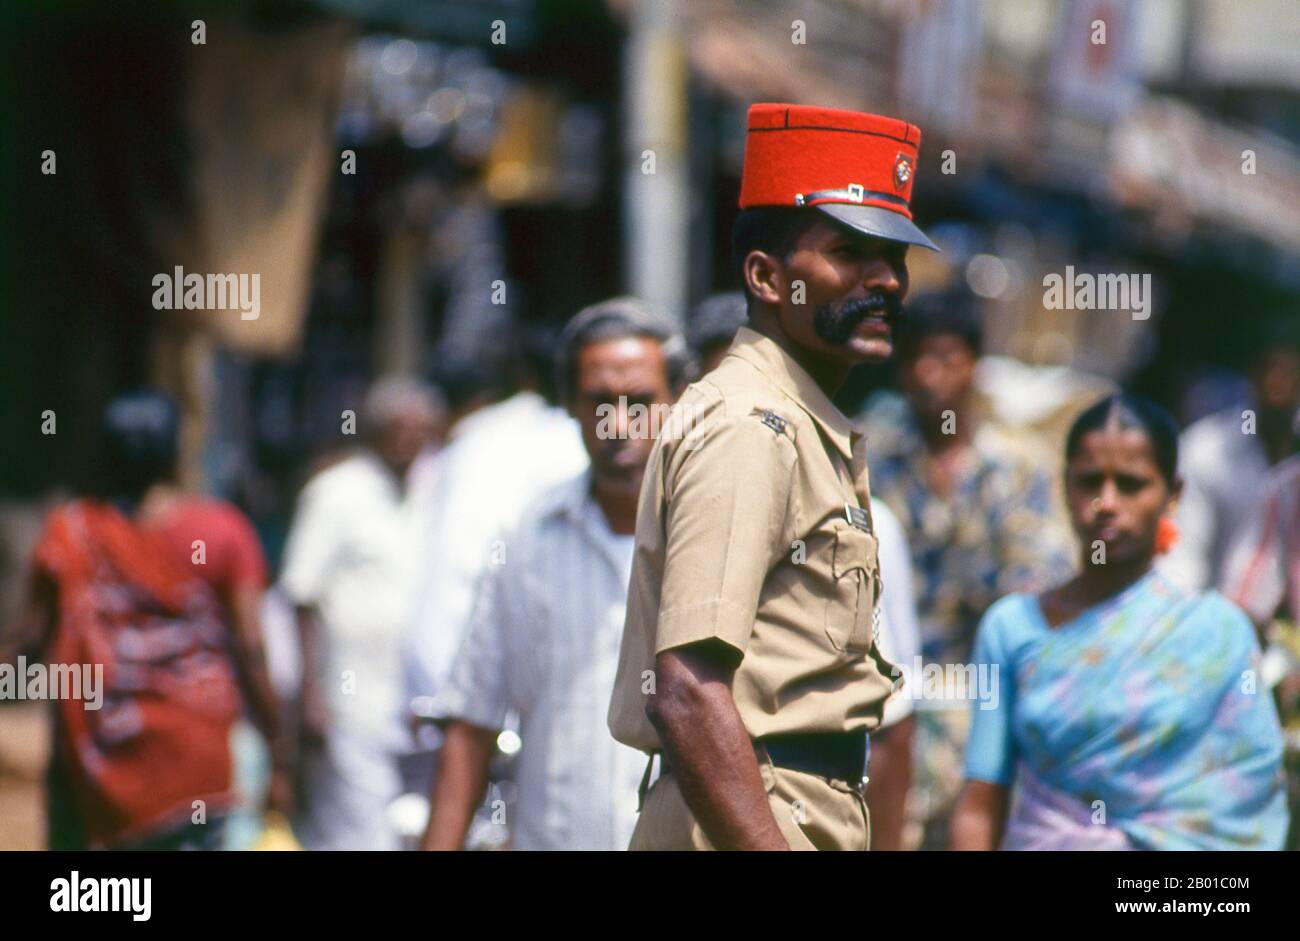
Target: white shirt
497,462
900,637
352,553
1223,471
543,641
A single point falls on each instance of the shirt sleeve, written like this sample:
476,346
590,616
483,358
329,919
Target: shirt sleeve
1255,569
477,690
728,494
990,750
311,546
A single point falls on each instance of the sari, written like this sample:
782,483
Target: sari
1140,724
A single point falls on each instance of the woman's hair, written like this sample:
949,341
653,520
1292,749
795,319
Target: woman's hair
1131,412
139,438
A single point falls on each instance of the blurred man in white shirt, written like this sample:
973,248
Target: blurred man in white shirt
900,644
543,639
350,572
1225,458
497,460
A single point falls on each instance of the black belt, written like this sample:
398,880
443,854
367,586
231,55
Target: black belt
840,755
843,756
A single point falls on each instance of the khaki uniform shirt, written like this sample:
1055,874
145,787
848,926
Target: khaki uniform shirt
743,536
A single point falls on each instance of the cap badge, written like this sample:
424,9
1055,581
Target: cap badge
902,170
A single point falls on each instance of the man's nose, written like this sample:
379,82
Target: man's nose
929,370
885,275
623,417
1106,498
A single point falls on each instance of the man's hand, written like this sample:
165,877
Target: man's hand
709,748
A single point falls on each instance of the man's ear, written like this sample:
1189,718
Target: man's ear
764,276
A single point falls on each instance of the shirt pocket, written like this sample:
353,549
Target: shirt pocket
853,596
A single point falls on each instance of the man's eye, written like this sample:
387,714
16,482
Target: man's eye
1130,484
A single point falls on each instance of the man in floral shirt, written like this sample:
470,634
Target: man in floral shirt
976,501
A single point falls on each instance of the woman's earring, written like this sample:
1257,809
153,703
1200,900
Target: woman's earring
1166,534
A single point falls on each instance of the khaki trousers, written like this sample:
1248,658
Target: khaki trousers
813,813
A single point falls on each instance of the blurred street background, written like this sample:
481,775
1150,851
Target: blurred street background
427,194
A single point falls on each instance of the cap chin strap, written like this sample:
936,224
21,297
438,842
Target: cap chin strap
853,193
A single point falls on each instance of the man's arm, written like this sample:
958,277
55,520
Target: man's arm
979,816
459,784
710,750
891,779
724,532
475,698
244,600
313,717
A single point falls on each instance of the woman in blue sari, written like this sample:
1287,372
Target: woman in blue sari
1128,713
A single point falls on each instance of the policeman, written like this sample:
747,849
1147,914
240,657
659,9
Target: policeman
748,669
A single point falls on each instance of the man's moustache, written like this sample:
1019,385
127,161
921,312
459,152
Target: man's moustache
859,309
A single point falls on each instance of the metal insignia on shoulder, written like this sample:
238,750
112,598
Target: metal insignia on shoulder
774,421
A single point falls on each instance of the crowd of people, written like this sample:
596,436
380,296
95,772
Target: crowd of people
519,608
446,588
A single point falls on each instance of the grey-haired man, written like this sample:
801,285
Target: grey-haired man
350,570
544,636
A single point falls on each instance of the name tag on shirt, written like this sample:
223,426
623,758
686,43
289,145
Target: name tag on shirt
859,517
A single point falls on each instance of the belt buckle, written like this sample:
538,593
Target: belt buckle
865,777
